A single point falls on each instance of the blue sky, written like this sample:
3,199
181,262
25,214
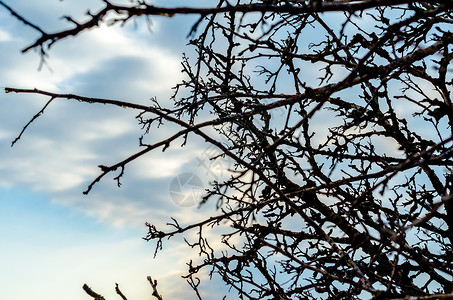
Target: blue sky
56,238
53,238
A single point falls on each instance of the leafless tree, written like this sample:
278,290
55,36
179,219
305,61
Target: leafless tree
339,195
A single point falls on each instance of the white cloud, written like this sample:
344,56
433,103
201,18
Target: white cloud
67,140
52,167
6,135
4,36
97,130
96,49
58,155
166,164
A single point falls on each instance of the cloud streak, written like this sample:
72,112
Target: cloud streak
58,157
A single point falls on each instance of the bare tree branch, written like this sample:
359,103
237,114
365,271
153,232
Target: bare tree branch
338,119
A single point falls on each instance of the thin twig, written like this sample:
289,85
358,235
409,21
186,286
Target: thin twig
154,286
34,118
91,293
118,291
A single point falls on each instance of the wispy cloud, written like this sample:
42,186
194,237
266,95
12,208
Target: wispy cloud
58,156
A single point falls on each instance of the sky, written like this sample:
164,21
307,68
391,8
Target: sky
53,238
